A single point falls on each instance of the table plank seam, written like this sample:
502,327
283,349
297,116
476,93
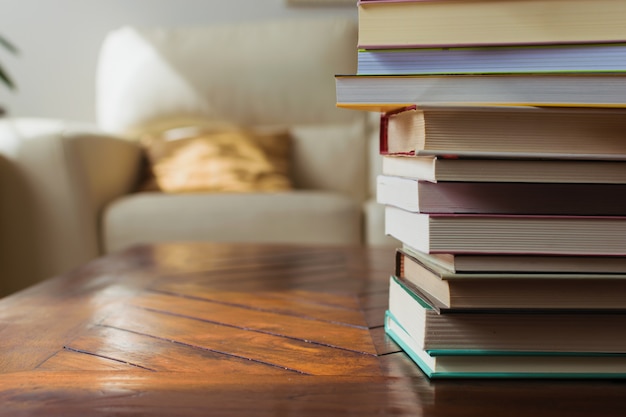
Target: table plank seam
84,352
254,330
202,348
265,310
300,300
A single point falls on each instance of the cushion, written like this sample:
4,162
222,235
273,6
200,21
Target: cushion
202,156
278,72
331,157
307,217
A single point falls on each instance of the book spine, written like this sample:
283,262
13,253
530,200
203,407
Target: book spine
383,140
384,128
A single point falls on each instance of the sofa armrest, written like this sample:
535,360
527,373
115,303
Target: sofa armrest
55,178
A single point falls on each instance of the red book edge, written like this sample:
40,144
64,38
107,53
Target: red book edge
383,139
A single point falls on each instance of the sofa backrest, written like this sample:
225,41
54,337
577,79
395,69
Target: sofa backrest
268,73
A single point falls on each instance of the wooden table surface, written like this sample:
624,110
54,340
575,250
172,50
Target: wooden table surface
240,330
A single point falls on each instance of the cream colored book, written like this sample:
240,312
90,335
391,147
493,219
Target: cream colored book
419,23
434,169
508,234
473,263
505,132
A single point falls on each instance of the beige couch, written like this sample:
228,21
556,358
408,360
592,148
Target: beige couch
66,188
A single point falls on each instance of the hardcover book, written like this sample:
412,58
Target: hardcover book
493,59
501,197
472,263
511,365
504,331
435,169
389,24
387,92
508,234
447,290
501,132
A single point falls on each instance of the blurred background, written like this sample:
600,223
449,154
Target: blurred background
59,41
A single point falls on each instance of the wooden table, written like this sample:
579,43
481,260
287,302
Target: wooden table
245,330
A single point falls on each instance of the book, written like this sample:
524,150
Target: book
508,234
435,169
496,332
501,198
381,93
447,290
493,59
472,263
388,24
504,132
522,365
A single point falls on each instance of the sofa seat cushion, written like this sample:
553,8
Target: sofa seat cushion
308,217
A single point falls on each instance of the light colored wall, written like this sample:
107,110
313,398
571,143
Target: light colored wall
59,42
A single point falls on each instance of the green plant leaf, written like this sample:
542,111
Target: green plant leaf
8,45
4,77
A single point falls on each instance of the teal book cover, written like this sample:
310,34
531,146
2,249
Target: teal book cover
533,365
480,331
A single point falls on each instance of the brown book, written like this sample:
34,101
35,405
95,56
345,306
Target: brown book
447,290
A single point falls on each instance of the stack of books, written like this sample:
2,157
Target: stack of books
503,143
504,52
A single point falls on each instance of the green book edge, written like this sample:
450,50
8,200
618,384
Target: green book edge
481,352
430,373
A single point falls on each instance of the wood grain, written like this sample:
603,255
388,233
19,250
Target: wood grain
297,325
264,348
240,329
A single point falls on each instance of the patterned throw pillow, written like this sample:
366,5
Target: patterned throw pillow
220,158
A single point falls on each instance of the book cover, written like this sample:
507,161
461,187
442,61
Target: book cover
435,169
382,93
522,291
506,365
500,197
388,24
510,332
472,263
508,234
504,132
493,59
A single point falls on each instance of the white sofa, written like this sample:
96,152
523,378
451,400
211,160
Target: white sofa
67,188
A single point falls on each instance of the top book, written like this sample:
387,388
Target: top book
419,23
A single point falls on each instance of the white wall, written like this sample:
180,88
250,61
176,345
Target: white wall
59,42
